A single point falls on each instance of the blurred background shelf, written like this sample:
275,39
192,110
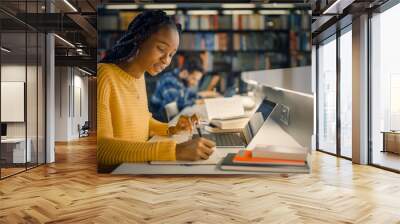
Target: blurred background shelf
245,40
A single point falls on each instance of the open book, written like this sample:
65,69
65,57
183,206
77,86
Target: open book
224,108
229,124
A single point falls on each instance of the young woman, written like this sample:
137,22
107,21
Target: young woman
124,121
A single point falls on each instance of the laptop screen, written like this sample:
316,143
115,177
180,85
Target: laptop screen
257,119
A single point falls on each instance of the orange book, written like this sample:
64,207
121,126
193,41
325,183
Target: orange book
215,17
245,156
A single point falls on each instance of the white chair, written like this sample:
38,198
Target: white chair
171,110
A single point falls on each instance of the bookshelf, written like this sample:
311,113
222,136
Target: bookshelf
236,43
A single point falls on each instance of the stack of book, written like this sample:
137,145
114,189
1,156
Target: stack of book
248,22
268,41
268,158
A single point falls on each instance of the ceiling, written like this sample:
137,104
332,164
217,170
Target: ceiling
73,20
329,17
203,1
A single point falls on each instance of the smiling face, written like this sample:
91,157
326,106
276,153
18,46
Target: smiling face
156,53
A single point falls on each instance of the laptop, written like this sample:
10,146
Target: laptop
250,130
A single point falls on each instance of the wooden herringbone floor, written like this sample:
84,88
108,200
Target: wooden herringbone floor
70,191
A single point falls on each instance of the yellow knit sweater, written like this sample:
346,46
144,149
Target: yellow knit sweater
124,121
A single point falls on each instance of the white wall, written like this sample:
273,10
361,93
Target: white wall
62,81
13,73
82,82
16,73
70,83
12,101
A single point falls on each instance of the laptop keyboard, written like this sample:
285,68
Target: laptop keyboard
226,139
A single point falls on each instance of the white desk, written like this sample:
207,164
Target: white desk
17,145
269,133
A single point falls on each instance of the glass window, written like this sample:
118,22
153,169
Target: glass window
327,96
22,90
15,149
346,93
385,89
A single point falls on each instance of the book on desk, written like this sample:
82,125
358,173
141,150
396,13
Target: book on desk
242,160
267,158
229,124
231,163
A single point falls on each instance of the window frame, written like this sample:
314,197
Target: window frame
381,9
339,32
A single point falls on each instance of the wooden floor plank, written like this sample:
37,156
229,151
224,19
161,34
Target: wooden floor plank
71,191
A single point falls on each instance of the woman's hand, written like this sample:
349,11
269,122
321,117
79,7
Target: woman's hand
182,125
185,123
195,149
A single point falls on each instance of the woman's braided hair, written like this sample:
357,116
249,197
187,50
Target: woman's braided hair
140,29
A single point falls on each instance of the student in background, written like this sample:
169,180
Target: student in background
178,86
210,82
124,122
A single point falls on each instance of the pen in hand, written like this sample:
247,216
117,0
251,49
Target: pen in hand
198,131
